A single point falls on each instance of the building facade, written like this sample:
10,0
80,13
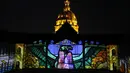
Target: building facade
66,49
66,53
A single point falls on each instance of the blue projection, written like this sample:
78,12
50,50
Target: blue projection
54,48
67,54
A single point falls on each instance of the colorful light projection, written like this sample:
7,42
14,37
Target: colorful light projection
112,57
125,65
95,56
35,56
100,56
19,56
6,60
30,56
66,55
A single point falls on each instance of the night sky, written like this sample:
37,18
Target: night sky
39,16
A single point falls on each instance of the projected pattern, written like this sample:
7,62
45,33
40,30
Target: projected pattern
35,56
6,57
30,56
67,54
95,56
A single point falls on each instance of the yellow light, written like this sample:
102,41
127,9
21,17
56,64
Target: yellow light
112,59
71,20
20,57
57,28
58,22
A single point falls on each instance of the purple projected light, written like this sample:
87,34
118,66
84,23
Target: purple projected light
80,42
92,42
76,49
97,43
54,48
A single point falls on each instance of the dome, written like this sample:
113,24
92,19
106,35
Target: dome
66,16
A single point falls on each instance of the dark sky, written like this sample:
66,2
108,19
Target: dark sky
39,16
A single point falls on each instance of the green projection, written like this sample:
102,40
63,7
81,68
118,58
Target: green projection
39,55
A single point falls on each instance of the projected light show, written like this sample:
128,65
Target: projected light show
66,54
95,56
6,57
33,56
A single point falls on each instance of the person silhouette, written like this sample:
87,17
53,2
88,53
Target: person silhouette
61,60
68,61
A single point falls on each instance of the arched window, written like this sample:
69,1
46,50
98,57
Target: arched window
19,50
17,65
113,52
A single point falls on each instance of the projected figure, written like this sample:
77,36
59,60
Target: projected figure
61,60
65,60
68,61
65,55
